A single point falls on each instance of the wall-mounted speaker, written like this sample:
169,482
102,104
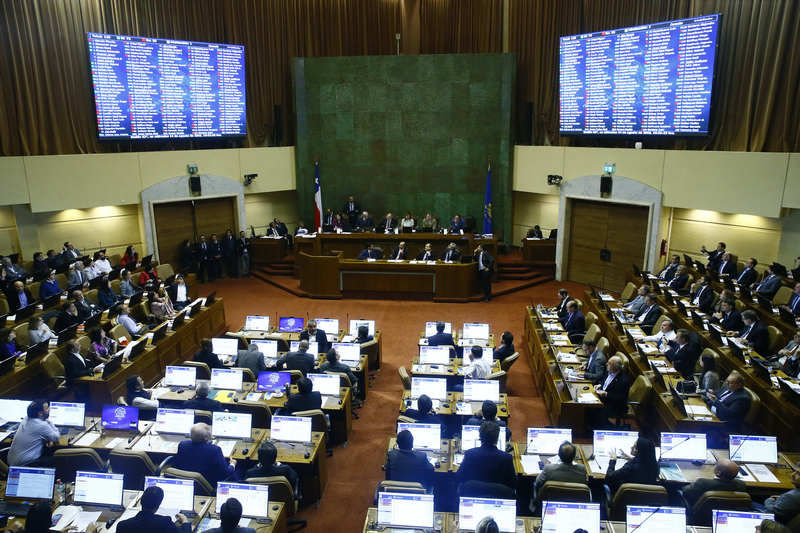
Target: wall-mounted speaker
605,186
194,184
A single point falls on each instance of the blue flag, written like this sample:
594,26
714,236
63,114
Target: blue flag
487,204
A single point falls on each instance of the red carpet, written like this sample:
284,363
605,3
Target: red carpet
355,470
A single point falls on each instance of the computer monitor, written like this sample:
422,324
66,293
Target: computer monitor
426,436
180,376
405,510
290,324
753,449
470,438
178,493
434,355
254,498
119,417
268,349
472,510
325,384
227,425
177,421
98,488
683,446
606,440
677,400
290,428
14,410
567,517
475,330
479,390
226,378
225,346
256,323
648,519
348,351
313,346
329,325
737,521
547,441
355,323
30,482
434,388
430,328
67,414
273,381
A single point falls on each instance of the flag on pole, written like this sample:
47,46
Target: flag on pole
487,204
317,199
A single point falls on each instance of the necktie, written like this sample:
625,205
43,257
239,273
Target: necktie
725,395
722,267
448,256
399,253
746,333
569,319
480,260
796,299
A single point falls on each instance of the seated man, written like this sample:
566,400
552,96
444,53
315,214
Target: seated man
306,398
574,323
649,314
728,318
20,297
485,462
230,516
201,400
666,333
251,358
33,434
561,308
424,412
613,392
364,222
101,262
75,366
386,225
332,364
405,464
506,348
206,355
725,472
786,506
452,253
49,287
268,466
318,335
793,305
67,317
678,282
565,470
636,304
133,327
369,253
595,368
147,519
13,272
771,282
440,338
456,224
733,402
790,354
488,414
703,296
479,368
668,272
363,335
85,307
400,253
300,360
199,455
534,233
427,254
748,275
683,353
754,332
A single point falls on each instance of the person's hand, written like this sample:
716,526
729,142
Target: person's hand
602,393
624,455
712,396
91,528
180,519
16,526
71,527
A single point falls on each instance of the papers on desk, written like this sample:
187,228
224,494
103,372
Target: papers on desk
607,297
697,410
227,446
664,369
253,396
672,472
84,518
156,444
745,475
762,473
588,397
158,392
113,443
4,434
86,440
432,460
560,340
464,408
563,357
213,523
395,260
635,332
552,326
68,514
530,464
648,348
547,315
737,342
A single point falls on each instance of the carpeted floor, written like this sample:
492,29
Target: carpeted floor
355,470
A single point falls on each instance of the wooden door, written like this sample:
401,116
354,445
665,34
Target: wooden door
215,215
174,223
620,230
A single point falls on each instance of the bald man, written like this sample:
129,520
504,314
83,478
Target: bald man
725,473
199,455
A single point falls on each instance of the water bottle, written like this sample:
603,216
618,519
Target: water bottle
61,491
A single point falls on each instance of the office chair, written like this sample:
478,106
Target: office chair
633,494
67,461
700,514
201,485
280,490
135,464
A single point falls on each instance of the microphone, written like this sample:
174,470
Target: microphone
662,451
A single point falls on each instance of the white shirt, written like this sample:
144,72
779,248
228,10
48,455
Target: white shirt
103,265
609,378
481,265
180,293
479,368
644,313
669,336
80,357
696,300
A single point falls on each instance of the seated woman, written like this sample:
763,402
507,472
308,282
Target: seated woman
38,331
137,395
642,467
160,304
131,258
102,346
49,287
148,276
710,379
126,286
408,224
105,295
8,344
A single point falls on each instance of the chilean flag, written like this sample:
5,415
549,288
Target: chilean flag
317,199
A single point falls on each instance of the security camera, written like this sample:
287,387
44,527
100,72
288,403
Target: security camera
248,178
554,179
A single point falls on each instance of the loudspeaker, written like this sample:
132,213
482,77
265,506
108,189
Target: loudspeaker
194,184
277,125
605,186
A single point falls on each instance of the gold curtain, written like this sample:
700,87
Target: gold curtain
461,26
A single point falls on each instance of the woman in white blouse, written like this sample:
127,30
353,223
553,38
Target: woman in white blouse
38,331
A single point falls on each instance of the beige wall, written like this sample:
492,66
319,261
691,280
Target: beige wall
8,232
531,209
260,209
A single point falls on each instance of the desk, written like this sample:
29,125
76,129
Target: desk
539,251
265,250
449,371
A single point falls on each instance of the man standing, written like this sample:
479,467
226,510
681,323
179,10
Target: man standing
485,264
229,253
351,209
203,254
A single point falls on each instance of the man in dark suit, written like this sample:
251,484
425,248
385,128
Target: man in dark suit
215,258
754,332
84,307
451,253
70,253
489,414
772,281
725,472
400,253
199,455
668,272
565,470
683,353
748,275
75,366
679,280
727,266
67,317
206,355
251,358
229,253
485,462
441,338
300,360
506,348
715,256
574,322
485,264
369,253
147,519
54,260
728,317
201,400
230,516
703,296
387,224
332,364
327,221
534,233
316,334
733,402
650,313
561,308
351,210
456,224
595,368
364,222
427,254
305,399
19,297
202,254
793,305
283,231
424,412
266,467
405,464
243,254
179,292
613,392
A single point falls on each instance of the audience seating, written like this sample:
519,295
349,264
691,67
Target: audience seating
67,461
633,494
201,485
700,513
280,490
203,372
135,464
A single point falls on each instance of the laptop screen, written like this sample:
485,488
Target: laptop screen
254,498
328,325
231,425
426,436
226,378
14,410
180,376
355,323
434,355
566,517
606,440
753,449
736,521
119,417
325,384
290,324
98,488
313,346
434,388
268,348
647,519
479,390
405,510
273,381
29,482
348,351
472,510
256,323
430,328
683,446
225,346
547,441
67,414
470,438
178,493
290,428
177,421
475,330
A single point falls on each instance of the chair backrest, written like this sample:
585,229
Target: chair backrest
602,344
62,281
506,363
484,489
636,494
593,332
561,491
500,375
689,281
164,270
344,380
69,460
261,413
661,318
707,351
22,334
628,291
739,305
203,416
718,499
84,342
370,348
203,372
318,420
295,376
404,377
280,490
201,485
755,407
135,464
91,296
580,303
794,524
247,375
3,470
53,367
775,340
640,390
591,319
408,487
405,419
626,364
119,331
783,296
115,285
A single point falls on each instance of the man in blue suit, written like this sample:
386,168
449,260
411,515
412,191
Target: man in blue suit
306,398
369,253
405,464
754,332
574,322
199,455
485,462
793,305
748,275
727,266
148,520
424,412
772,281
668,272
441,338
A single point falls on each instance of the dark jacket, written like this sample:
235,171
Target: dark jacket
747,277
65,320
441,339
728,268
454,255
668,272
152,523
208,358
504,351
684,358
693,491
427,418
304,362
431,256
322,340
575,323
304,402
488,464
616,400
403,253
13,299
410,466
274,470
733,408
678,282
74,368
341,368
706,297
758,337
633,471
731,321
562,306
650,318
203,404
203,457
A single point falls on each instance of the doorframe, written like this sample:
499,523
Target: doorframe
624,191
